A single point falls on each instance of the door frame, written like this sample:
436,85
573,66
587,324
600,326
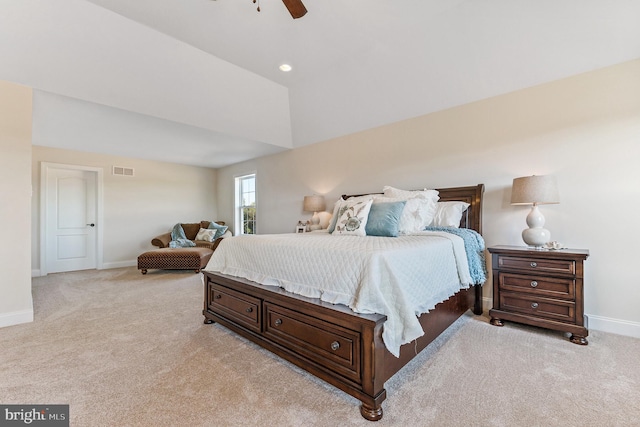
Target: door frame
44,176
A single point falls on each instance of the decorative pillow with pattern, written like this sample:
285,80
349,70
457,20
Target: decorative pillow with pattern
206,234
352,218
338,205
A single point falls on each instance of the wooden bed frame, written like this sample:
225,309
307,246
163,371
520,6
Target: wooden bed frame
330,341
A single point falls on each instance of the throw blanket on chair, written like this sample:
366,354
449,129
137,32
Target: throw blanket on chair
179,239
474,245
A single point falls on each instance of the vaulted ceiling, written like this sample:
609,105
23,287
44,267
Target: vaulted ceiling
205,72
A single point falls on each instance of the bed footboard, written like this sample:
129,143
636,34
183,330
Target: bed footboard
332,342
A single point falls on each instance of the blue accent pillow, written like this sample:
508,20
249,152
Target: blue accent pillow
384,219
220,229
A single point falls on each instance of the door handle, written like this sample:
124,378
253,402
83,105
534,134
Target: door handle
91,225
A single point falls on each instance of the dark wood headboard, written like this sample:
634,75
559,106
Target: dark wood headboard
472,217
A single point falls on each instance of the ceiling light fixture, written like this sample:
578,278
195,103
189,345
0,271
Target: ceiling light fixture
285,68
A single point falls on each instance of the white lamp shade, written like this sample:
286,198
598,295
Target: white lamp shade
314,203
535,190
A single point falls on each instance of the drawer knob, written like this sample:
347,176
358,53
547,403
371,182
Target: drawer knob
218,296
278,322
534,284
335,345
249,310
533,264
534,305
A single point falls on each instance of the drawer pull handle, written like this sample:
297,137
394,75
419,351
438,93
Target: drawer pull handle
534,284
335,345
249,310
218,296
534,264
278,322
534,305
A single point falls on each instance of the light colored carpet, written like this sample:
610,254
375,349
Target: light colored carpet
125,349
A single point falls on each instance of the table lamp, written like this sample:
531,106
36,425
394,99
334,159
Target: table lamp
535,190
314,204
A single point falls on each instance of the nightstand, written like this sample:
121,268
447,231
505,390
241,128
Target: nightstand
540,288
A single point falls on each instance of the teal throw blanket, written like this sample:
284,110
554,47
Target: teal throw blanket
474,246
179,239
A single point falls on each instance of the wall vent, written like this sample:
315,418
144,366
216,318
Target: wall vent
121,170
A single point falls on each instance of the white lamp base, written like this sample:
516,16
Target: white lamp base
535,235
315,222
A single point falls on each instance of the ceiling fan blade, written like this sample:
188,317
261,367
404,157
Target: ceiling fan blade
295,7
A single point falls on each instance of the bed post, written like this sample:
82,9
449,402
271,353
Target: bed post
477,307
472,220
373,364
477,303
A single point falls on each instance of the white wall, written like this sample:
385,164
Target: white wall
584,129
69,123
16,305
136,209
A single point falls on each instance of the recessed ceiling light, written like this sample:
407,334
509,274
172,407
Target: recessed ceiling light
285,67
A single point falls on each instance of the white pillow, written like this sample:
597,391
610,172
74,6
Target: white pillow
449,214
425,211
364,197
416,215
206,234
352,218
405,194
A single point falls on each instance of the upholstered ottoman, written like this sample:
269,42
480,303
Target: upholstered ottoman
175,259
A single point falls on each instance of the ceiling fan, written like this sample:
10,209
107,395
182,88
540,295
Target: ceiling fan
295,8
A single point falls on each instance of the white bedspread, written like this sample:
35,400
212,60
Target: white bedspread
401,277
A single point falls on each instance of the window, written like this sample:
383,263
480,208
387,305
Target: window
246,204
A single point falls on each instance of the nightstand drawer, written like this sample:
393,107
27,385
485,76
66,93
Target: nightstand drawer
563,311
563,266
538,285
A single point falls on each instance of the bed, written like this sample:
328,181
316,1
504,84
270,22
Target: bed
331,341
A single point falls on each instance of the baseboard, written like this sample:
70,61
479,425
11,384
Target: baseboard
119,264
105,266
487,304
614,326
16,318
593,322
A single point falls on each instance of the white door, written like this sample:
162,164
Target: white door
70,219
